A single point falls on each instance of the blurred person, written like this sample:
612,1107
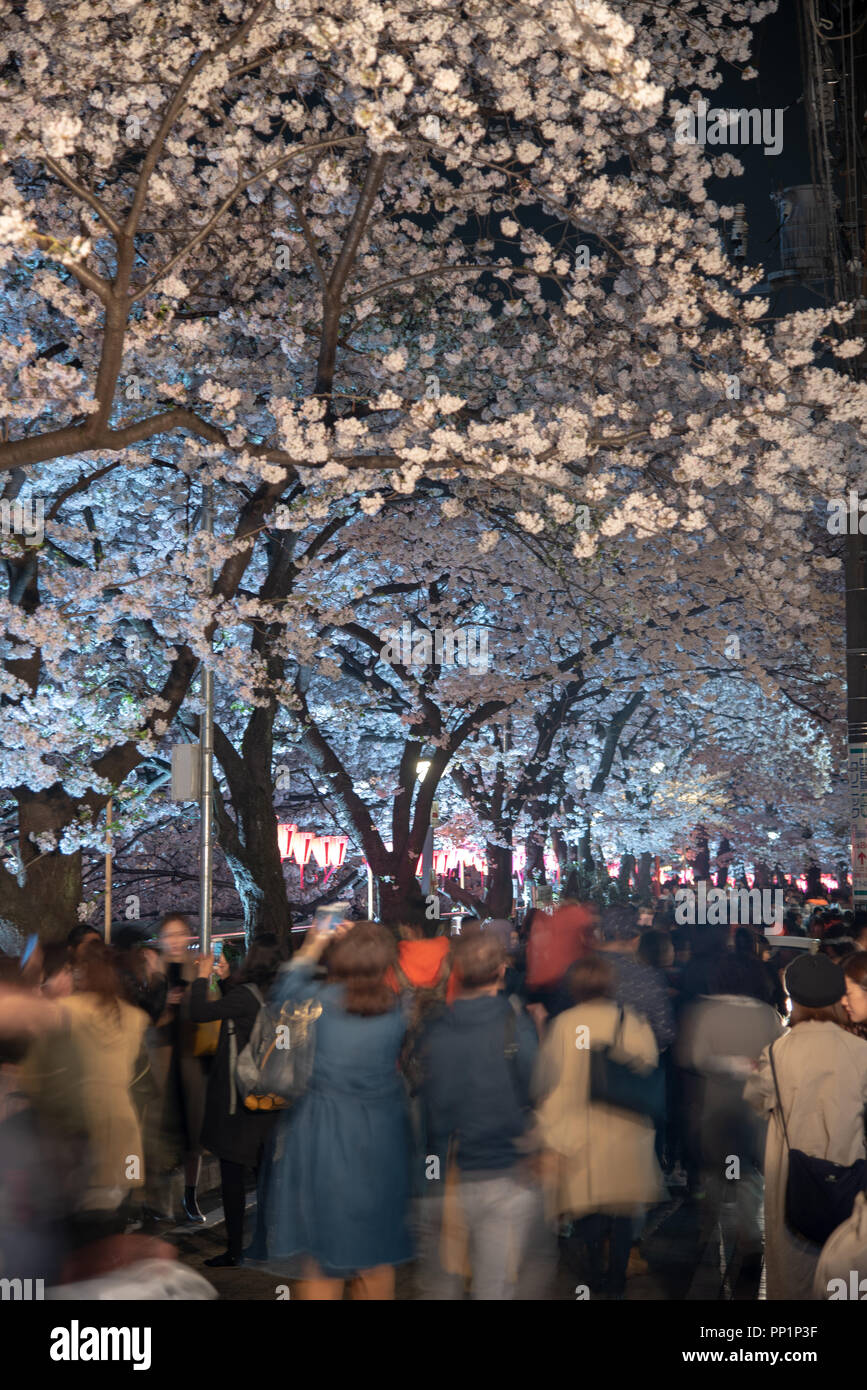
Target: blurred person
707,946
234,1133
80,1077
821,1071
721,1037
556,940
637,986
82,934
482,1218
655,948
338,1191
180,1076
603,1174
755,975
145,983
57,973
855,999
30,1200
859,928
423,953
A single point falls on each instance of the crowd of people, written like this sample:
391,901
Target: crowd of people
492,1107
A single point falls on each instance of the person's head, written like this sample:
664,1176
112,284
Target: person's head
80,934
816,986
708,941
503,931
262,961
733,974
360,961
855,1002
792,925
415,923
746,943
175,936
859,928
479,963
57,961
95,972
590,978
682,943
618,927
655,948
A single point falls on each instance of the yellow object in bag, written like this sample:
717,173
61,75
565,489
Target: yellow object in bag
208,1034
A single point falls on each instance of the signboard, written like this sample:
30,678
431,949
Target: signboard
858,821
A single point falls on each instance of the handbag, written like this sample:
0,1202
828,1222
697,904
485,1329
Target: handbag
820,1194
616,1084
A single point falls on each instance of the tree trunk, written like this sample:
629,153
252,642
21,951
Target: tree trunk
46,902
645,864
498,899
624,877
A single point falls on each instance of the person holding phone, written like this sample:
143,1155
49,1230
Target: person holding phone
236,1135
174,1135
339,1188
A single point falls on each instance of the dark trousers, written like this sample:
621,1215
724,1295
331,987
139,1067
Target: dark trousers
232,1181
592,1231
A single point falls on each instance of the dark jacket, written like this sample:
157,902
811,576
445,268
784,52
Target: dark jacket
471,1090
237,1137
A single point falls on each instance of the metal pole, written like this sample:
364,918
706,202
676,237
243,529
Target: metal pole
206,744
108,813
856,674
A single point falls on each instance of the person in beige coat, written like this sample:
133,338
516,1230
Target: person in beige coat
79,1075
822,1076
601,1169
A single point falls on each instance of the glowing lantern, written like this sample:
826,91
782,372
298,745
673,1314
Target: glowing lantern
284,839
302,843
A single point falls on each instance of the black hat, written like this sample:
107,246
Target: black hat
815,982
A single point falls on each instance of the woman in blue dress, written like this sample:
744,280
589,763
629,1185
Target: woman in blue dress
339,1180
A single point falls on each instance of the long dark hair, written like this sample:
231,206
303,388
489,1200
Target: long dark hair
262,961
360,961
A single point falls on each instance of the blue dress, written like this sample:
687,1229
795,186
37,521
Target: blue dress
339,1177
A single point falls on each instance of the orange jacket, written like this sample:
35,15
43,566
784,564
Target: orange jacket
421,962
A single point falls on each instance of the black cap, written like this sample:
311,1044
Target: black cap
815,982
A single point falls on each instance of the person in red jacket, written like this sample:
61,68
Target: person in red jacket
557,939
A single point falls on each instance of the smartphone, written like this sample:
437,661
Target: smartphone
217,951
326,918
32,943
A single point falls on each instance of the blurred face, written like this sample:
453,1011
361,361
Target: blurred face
855,1001
60,985
174,940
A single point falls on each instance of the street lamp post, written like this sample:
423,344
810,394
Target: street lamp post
206,741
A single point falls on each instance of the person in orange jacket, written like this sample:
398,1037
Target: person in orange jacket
424,955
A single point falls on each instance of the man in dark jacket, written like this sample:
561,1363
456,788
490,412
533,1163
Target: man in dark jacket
478,1060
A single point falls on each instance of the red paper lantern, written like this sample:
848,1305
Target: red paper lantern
284,839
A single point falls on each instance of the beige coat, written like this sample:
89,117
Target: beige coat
822,1074
604,1158
80,1078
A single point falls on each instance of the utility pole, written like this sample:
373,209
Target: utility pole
108,814
206,743
833,43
